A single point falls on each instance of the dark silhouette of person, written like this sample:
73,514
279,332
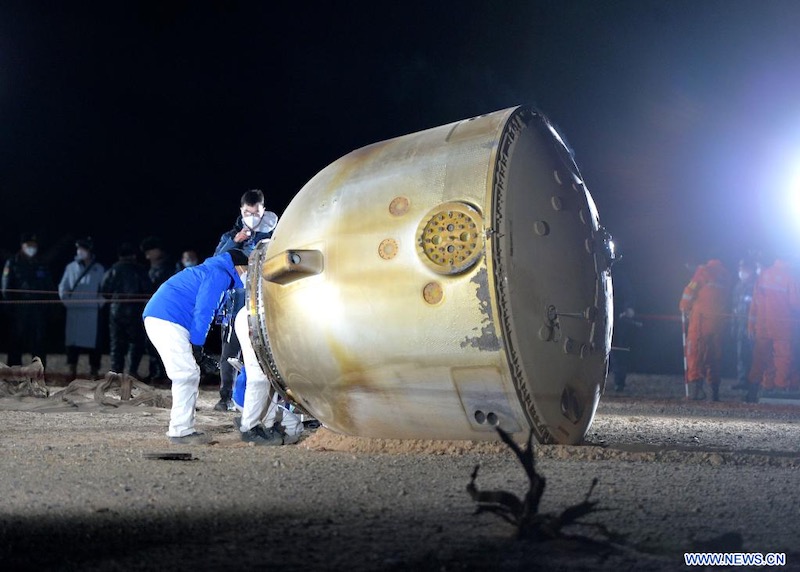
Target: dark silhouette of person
742,298
28,283
625,327
128,286
161,268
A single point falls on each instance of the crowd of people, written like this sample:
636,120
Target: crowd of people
84,289
757,312
761,310
162,310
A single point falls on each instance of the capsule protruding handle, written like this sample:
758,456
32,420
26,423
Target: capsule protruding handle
292,265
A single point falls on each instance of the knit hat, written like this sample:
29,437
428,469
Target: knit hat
239,258
86,243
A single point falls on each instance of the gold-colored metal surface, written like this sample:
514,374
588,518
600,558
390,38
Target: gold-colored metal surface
455,306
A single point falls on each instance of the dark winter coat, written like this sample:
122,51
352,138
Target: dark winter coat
127,284
160,272
27,279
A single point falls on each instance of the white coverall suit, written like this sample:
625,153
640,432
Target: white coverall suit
256,392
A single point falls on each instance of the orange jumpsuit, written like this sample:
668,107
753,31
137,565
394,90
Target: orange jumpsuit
706,300
773,325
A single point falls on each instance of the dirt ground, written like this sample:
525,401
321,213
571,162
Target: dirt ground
78,492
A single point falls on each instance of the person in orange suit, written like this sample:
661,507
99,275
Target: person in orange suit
772,323
705,299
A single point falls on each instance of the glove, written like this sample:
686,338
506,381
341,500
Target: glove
198,353
208,365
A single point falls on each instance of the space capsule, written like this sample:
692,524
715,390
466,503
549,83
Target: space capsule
439,285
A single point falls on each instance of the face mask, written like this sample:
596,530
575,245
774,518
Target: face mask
83,254
251,221
243,277
743,276
30,251
189,263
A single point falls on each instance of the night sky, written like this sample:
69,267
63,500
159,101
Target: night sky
126,119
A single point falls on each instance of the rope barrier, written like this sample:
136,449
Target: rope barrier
53,298
141,299
77,301
21,291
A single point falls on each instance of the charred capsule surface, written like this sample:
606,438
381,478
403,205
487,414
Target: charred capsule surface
439,285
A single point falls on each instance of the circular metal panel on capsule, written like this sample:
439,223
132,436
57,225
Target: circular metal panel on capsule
451,239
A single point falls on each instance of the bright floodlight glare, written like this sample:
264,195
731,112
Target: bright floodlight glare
780,191
786,214
794,200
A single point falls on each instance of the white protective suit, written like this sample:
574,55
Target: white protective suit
256,392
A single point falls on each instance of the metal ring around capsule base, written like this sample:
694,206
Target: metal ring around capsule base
256,323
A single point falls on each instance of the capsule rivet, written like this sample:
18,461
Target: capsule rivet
432,293
399,206
388,248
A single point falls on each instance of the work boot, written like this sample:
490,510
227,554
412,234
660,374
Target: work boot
699,394
94,374
752,393
196,438
72,372
260,435
287,439
225,402
715,391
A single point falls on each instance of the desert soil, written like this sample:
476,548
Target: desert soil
78,492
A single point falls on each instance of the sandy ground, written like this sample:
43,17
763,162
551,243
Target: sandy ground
673,476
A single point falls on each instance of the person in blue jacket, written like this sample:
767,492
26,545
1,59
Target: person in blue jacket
177,319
